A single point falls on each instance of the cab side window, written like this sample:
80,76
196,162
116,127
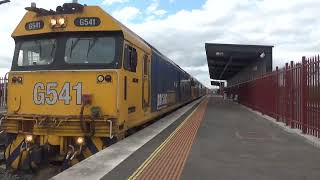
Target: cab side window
130,58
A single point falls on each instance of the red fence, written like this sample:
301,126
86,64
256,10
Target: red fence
3,92
290,95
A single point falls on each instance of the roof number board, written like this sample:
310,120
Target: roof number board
87,21
34,25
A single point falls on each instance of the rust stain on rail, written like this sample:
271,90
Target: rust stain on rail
168,160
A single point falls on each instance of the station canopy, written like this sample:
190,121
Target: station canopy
227,60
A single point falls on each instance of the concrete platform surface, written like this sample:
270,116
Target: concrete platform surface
234,143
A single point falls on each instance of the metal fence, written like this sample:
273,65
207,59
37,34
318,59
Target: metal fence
290,95
3,92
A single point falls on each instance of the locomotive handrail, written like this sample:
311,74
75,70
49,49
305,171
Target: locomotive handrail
5,89
110,128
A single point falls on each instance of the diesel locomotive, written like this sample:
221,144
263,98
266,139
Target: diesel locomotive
79,81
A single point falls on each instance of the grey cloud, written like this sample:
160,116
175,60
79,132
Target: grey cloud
5,61
290,26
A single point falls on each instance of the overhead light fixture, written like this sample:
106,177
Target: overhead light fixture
255,68
219,53
262,55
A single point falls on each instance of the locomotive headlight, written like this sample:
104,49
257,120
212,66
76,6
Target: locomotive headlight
53,22
19,79
100,78
80,140
61,21
29,138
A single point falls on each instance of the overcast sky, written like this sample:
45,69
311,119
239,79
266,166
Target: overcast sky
180,28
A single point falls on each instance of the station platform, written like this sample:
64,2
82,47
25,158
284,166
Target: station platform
213,139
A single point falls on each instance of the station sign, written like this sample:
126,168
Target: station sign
217,83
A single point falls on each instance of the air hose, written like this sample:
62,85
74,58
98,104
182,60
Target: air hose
83,125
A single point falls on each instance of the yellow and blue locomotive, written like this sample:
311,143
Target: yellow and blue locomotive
79,81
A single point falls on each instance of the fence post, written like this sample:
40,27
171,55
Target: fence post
277,94
318,92
287,97
303,94
292,93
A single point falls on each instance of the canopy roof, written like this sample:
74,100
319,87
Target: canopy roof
227,60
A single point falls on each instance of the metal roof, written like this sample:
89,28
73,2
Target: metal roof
227,60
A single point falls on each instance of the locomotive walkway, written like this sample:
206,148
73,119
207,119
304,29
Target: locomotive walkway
216,139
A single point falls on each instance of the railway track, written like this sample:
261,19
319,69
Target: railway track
5,174
45,173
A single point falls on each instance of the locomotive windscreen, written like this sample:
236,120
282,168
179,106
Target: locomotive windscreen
36,52
68,51
90,50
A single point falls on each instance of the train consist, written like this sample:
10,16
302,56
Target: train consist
79,81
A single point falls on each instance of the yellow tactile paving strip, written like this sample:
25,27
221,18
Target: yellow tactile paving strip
168,160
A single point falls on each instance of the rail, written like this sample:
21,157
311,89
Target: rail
290,95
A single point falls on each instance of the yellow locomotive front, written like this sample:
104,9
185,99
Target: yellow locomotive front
64,86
